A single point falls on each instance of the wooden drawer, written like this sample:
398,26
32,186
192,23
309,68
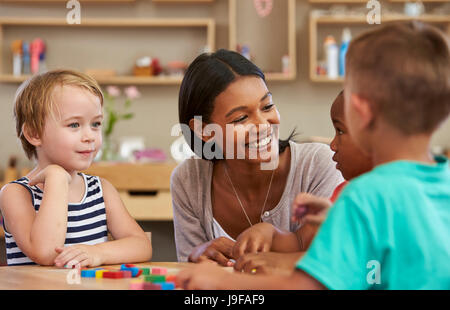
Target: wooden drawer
156,207
143,188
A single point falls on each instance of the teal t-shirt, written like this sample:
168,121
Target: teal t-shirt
389,229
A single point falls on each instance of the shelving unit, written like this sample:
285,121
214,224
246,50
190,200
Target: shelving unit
316,21
424,1
150,181
207,23
338,1
291,35
56,1
183,1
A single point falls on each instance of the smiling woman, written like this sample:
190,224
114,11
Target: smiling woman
216,198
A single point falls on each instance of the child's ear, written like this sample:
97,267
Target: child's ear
363,110
31,136
197,126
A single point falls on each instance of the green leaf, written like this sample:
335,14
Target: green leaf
127,116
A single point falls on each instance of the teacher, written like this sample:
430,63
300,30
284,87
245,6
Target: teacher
244,173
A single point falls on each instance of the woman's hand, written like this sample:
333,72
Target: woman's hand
219,250
310,209
268,263
257,238
85,255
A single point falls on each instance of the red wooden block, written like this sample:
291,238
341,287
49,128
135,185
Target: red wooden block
160,271
116,274
112,275
173,279
152,286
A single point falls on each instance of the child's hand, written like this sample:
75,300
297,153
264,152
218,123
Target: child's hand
204,276
267,263
257,238
85,255
50,171
310,209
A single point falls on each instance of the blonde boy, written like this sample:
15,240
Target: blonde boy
57,215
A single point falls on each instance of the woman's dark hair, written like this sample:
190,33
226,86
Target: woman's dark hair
206,77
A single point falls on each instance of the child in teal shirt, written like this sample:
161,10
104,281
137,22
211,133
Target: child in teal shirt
389,228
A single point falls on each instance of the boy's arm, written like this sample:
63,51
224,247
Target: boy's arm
131,245
38,234
208,276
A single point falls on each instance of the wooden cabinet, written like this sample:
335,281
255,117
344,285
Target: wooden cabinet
143,188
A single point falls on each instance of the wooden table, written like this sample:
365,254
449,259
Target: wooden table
53,278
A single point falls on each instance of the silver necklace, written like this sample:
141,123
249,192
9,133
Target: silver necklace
239,200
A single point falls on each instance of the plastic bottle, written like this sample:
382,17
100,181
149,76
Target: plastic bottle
332,57
26,58
346,38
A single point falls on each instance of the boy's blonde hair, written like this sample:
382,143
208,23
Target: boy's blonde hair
403,70
34,102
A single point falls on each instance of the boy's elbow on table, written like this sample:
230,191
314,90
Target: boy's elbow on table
43,258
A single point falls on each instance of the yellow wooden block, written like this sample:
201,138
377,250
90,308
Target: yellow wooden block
99,273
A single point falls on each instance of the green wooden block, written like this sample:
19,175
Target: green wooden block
145,271
155,278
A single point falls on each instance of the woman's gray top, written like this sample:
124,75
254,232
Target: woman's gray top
312,171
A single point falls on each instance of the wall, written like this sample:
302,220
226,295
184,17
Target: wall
303,105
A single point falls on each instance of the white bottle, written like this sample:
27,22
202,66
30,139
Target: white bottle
332,57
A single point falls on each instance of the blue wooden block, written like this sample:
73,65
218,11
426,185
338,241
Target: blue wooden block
166,286
134,270
89,273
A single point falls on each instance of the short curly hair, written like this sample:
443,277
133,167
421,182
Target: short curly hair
403,70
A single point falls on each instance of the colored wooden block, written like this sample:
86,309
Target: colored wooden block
171,278
145,271
99,273
159,271
155,278
116,274
152,286
135,271
136,284
166,286
89,273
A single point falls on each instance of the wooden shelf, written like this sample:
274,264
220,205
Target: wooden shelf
113,80
338,1
424,1
59,1
291,29
207,23
183,1
316,20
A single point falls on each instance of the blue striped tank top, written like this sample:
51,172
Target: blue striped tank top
86,221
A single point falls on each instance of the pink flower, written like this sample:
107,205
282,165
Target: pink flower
132,92
113,91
